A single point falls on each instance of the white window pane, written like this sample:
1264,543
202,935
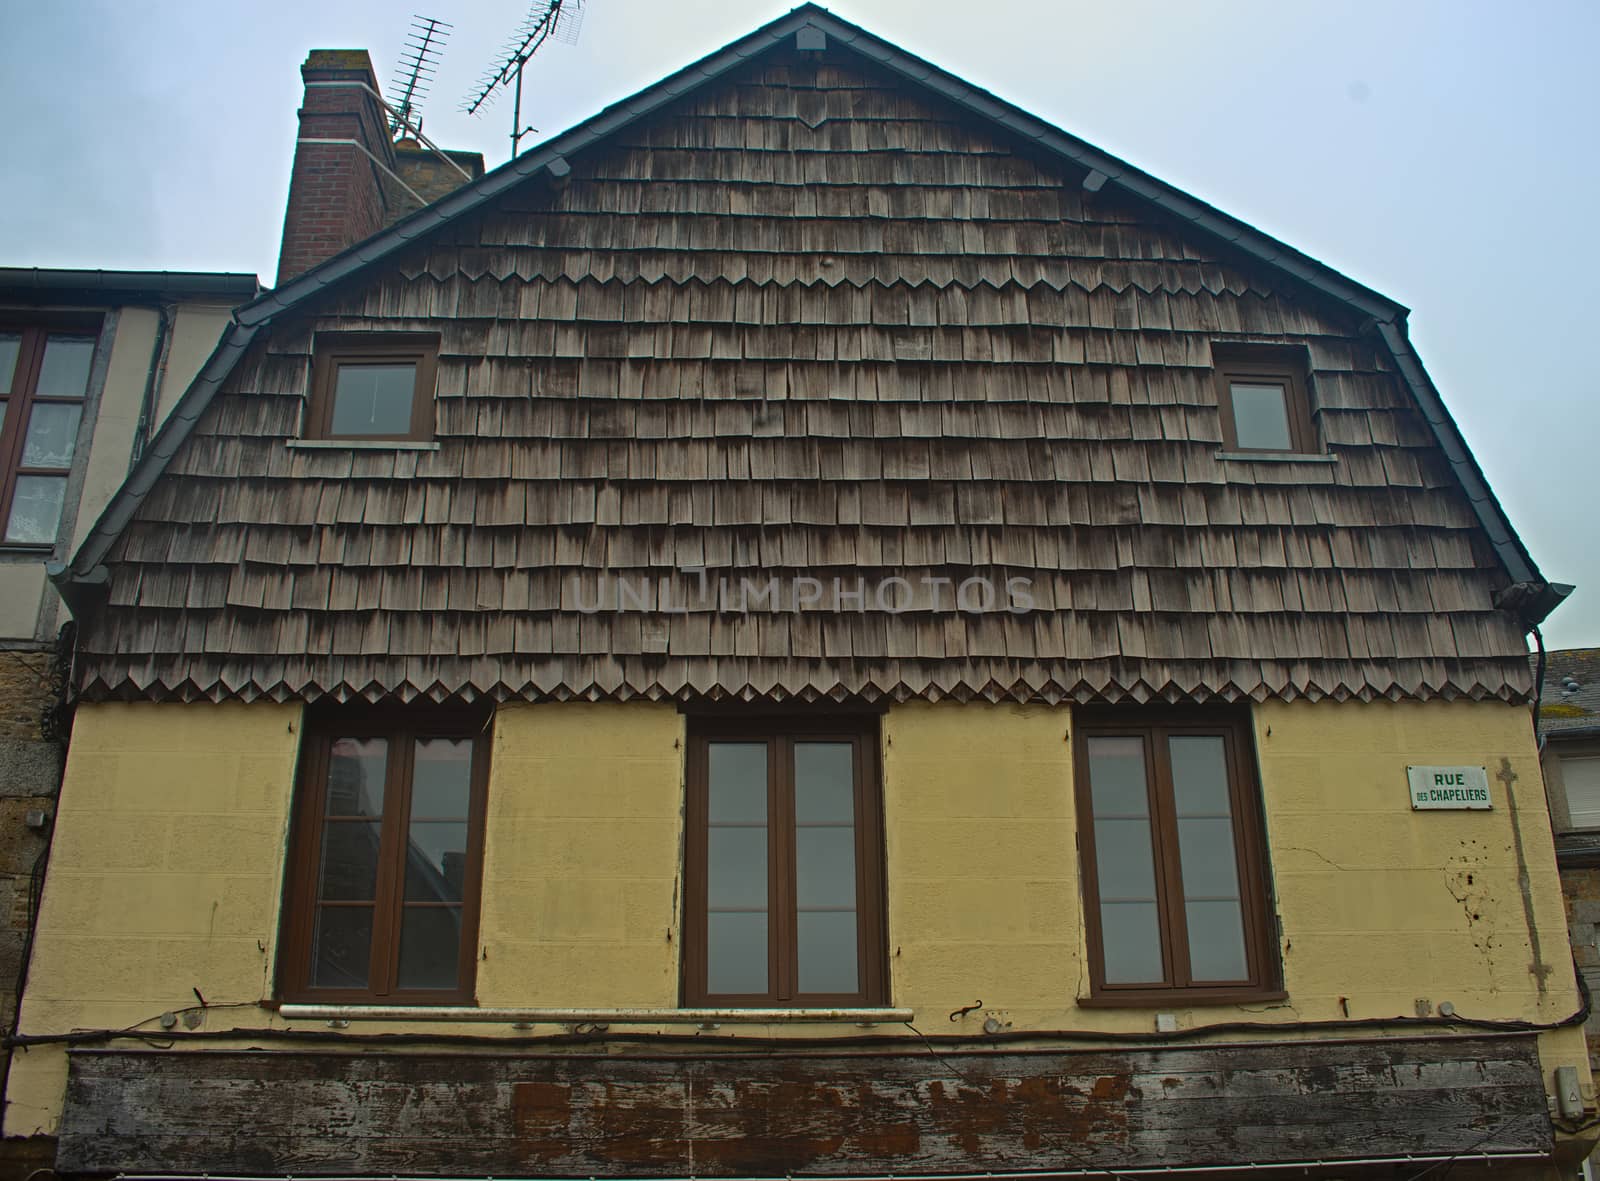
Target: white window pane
341,947
736,868
1123,861
1205,847
824,783
736,953
825,867
827,941
1131,935
373,399
52,434
1216,941
436,861
10,347
1117,777
64,372
356,771
36,510
430,947
349,861
1582,780
737,775
1261,417
1199,775
441,779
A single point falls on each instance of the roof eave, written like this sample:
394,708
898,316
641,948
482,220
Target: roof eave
94,286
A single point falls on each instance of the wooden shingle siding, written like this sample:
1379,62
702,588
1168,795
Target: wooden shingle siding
811,325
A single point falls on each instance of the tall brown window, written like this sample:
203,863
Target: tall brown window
44,379
372,386
785,866
1264,403
1173,869
386,858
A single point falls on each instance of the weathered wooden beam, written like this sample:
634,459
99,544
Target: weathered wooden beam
583,1115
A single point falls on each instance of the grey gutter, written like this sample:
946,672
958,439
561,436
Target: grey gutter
1536,597
232,286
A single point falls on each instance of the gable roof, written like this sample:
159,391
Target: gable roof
1531,597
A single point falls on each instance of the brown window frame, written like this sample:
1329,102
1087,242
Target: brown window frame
401,726
1267,367
20,400
334,350
780,734
1152,725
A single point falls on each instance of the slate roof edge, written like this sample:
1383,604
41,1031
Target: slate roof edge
1540,596
1582,730
1536,602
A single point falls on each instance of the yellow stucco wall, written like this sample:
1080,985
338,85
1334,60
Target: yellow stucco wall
165,876
581,857
166,870
117,417
983,867
196,328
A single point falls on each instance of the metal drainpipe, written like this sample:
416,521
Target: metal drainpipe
152,383
1538,689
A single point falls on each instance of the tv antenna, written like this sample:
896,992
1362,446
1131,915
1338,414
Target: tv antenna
419,60
560,19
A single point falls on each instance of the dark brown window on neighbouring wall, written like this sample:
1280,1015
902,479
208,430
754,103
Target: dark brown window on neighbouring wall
376,386
784,899
386,859
1173,868
44,379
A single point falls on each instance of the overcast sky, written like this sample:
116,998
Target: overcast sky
1442,152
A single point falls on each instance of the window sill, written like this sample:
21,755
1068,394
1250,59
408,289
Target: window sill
645,1016
360,445
1277,457
1185,999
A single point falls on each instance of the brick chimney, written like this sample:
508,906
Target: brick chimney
337,195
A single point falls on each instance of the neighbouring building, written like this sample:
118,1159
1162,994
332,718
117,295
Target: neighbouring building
813,624
1569,726
90,363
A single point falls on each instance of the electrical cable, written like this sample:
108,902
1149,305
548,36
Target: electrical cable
768,1042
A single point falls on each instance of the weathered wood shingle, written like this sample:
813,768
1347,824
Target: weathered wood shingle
811,325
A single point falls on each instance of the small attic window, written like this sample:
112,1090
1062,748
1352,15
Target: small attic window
372,386
1263,400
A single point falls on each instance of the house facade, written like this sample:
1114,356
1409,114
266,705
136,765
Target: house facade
813,624
90,363
1569,751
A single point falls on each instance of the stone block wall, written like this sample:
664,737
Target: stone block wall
30,781
1581,888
